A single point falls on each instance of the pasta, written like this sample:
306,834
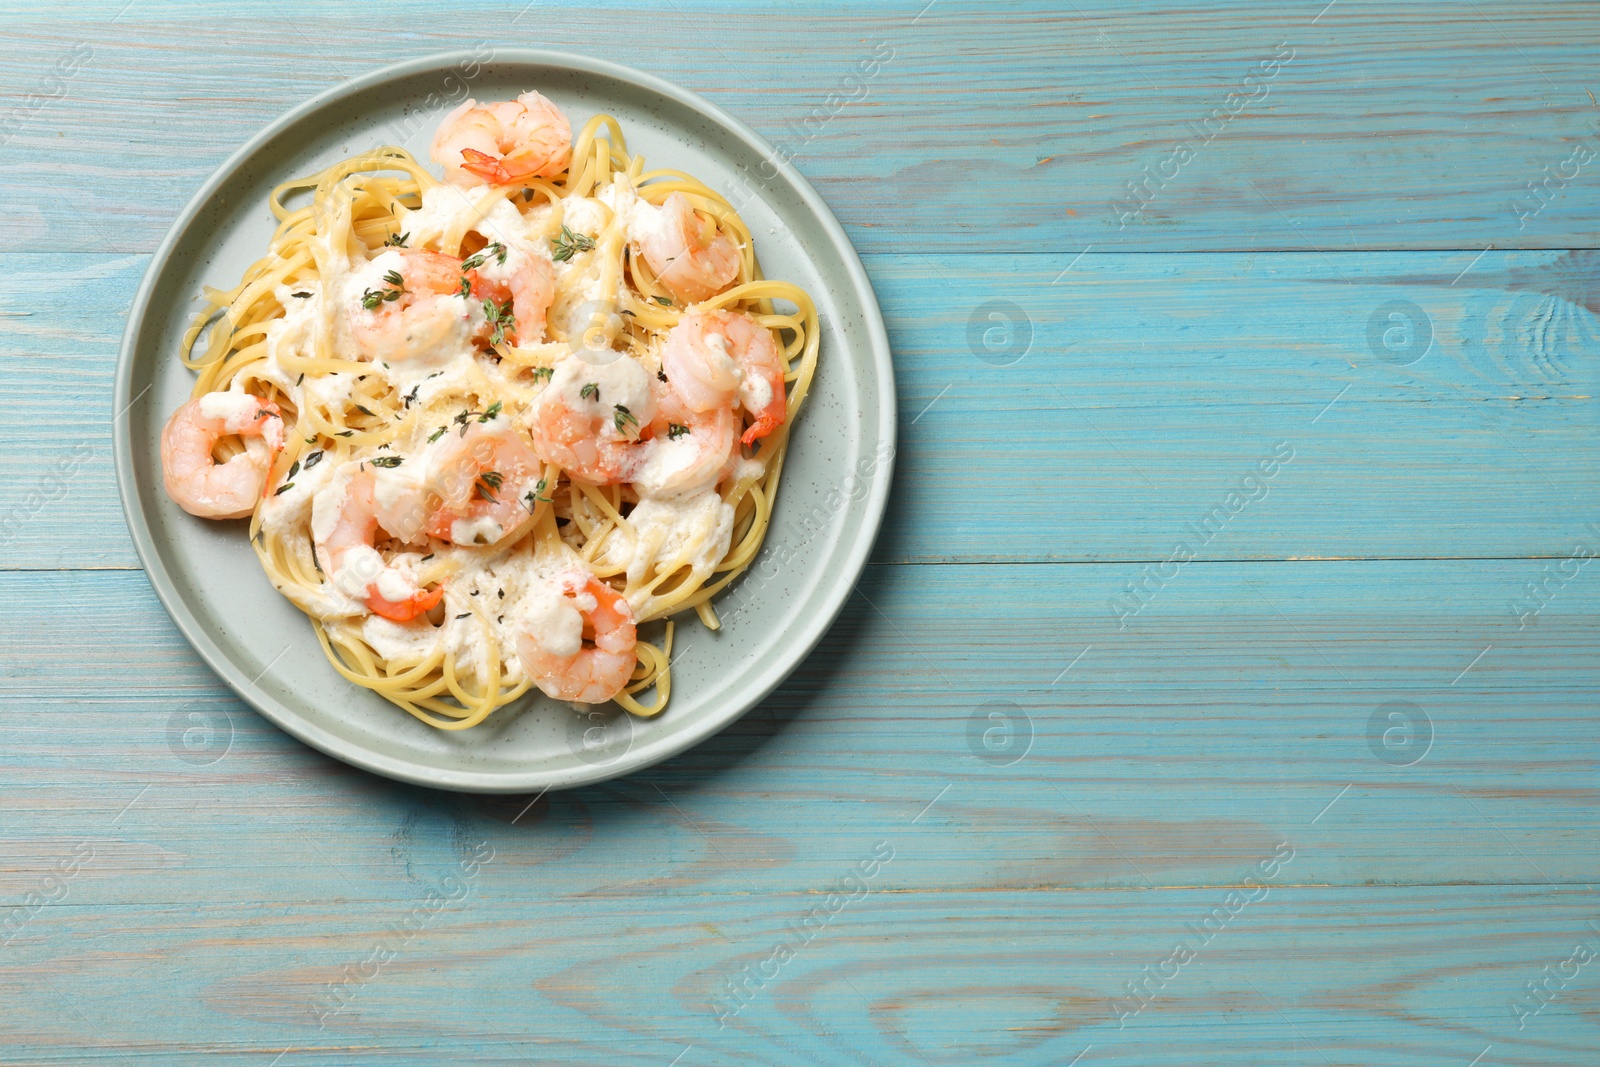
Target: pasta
485,427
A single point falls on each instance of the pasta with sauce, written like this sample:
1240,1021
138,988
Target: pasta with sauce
485,427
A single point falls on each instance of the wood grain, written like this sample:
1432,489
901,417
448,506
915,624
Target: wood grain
1095,677
1224,718
989,127
1410,977
1145,386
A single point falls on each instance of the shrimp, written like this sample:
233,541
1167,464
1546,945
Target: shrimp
588,419
711,357
195,481
688,450
504,142
691,263
344,524
487,484
529,290
414,320
551,642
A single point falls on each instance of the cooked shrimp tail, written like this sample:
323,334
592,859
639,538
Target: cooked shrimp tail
199,484
407,609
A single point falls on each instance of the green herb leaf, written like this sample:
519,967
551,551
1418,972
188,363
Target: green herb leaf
284,488
435,435
664,300
662,375
623,419
394,279
543,374
301,296
495,248
569,244
493,479
466,286
590,391
499,317
386,461
396,240
533,499
411,397
676,430
364,411
345,433
371,299
294,468
312,459
490,412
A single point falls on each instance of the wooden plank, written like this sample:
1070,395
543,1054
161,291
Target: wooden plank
1413,718
1409,977
1246,704
1144,390
971,127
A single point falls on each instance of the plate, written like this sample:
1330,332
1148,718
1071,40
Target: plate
830,504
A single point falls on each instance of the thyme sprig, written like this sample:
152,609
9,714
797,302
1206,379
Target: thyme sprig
570,244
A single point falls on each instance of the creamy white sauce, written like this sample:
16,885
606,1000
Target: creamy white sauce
446,207
399,500
230,406
640,219
553,622
724,371
623,381
360,567
475,531
287,510
693,531
673,466
400,641
394,486
584,214
327,506
680,521
755,393
748,469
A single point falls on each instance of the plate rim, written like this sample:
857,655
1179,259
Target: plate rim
810,632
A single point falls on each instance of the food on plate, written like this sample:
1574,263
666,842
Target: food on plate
486,427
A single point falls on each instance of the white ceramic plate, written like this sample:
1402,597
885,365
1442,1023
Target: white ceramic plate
830,503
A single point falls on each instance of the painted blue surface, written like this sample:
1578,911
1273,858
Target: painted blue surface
1127,749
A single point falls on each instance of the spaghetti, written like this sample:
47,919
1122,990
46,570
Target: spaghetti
485,427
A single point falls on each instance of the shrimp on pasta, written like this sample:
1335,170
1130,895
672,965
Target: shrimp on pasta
498,427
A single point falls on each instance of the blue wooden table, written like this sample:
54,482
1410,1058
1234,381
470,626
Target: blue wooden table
1223,689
